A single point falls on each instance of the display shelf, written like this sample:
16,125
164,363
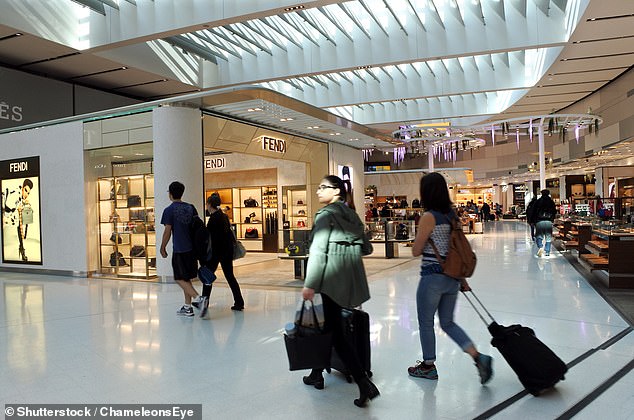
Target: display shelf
126,208
295,209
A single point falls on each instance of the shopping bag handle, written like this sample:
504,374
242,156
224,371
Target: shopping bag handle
301,315
476,309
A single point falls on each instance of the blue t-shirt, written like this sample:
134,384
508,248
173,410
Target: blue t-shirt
179,215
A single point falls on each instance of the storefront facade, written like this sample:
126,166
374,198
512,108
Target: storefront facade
102,186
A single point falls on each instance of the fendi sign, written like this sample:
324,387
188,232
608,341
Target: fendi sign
215,163
273,145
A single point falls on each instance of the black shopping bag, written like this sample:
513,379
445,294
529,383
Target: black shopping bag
309,347
308,351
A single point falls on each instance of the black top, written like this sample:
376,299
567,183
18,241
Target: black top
544,209
222,238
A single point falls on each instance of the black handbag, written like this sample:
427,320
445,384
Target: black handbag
134,201
250,202
251,233
117,256
308,348
115,237
137,251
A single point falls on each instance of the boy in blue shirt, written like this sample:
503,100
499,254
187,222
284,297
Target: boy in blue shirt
177,218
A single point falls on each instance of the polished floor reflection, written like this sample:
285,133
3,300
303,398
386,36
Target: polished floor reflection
68,340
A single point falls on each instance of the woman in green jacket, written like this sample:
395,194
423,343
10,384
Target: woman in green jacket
335,269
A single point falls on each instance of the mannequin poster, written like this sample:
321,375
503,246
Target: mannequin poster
21,230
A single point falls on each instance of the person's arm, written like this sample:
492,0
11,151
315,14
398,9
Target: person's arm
167,234
425,227
318,255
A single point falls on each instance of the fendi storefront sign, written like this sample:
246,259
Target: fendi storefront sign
215,163
271,144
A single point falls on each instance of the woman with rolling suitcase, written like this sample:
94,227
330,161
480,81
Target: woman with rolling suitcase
437,291
335,269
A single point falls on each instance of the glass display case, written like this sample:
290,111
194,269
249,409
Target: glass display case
127,237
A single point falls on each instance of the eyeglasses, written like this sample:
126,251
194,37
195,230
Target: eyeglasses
323,187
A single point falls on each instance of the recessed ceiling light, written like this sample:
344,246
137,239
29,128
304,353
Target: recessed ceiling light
139,154
337,134
293,8
117,157
19,34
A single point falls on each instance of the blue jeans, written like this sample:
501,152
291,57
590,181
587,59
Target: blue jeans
438,292
544,233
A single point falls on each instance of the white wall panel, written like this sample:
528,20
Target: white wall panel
62,199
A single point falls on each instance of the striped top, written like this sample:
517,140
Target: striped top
440,235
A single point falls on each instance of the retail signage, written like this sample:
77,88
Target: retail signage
215,163
273,145
21,211
10,112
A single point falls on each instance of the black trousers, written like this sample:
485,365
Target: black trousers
347,353
227,268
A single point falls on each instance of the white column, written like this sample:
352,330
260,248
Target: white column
178,156
430,157
542,158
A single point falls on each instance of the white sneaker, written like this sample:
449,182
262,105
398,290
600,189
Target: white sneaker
540,252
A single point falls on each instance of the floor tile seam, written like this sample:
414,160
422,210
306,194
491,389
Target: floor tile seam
513,399
597,392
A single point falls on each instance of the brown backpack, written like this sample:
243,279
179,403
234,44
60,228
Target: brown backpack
461,260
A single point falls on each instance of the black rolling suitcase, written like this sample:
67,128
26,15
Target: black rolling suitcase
357,331
537,366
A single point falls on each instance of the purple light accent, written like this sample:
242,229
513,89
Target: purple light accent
493,135
399,155
530,130
577,133
517,138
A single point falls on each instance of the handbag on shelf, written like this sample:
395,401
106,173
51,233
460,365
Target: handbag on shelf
301,224
116,258
139,227
308,346
250,202
27,215
134,201
115,237
137,251
114,217
251,233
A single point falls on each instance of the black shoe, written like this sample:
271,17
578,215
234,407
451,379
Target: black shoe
368,391
315,379
237,307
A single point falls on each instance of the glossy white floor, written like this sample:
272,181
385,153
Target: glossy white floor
67,340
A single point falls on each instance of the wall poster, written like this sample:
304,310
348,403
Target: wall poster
21,216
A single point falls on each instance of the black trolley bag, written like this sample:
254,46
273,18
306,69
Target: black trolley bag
537,367
356,329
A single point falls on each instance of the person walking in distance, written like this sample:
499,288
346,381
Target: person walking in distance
335,269
530,216
222,241
177,218
486,211
436,291
545,211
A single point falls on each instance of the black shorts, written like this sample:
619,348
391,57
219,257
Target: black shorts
185,265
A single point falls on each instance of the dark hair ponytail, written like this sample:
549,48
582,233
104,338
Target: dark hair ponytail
345,189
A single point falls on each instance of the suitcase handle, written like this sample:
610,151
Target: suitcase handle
476,309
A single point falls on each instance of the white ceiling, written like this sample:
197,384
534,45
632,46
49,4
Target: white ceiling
379,63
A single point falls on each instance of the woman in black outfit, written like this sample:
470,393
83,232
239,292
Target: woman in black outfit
222,240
